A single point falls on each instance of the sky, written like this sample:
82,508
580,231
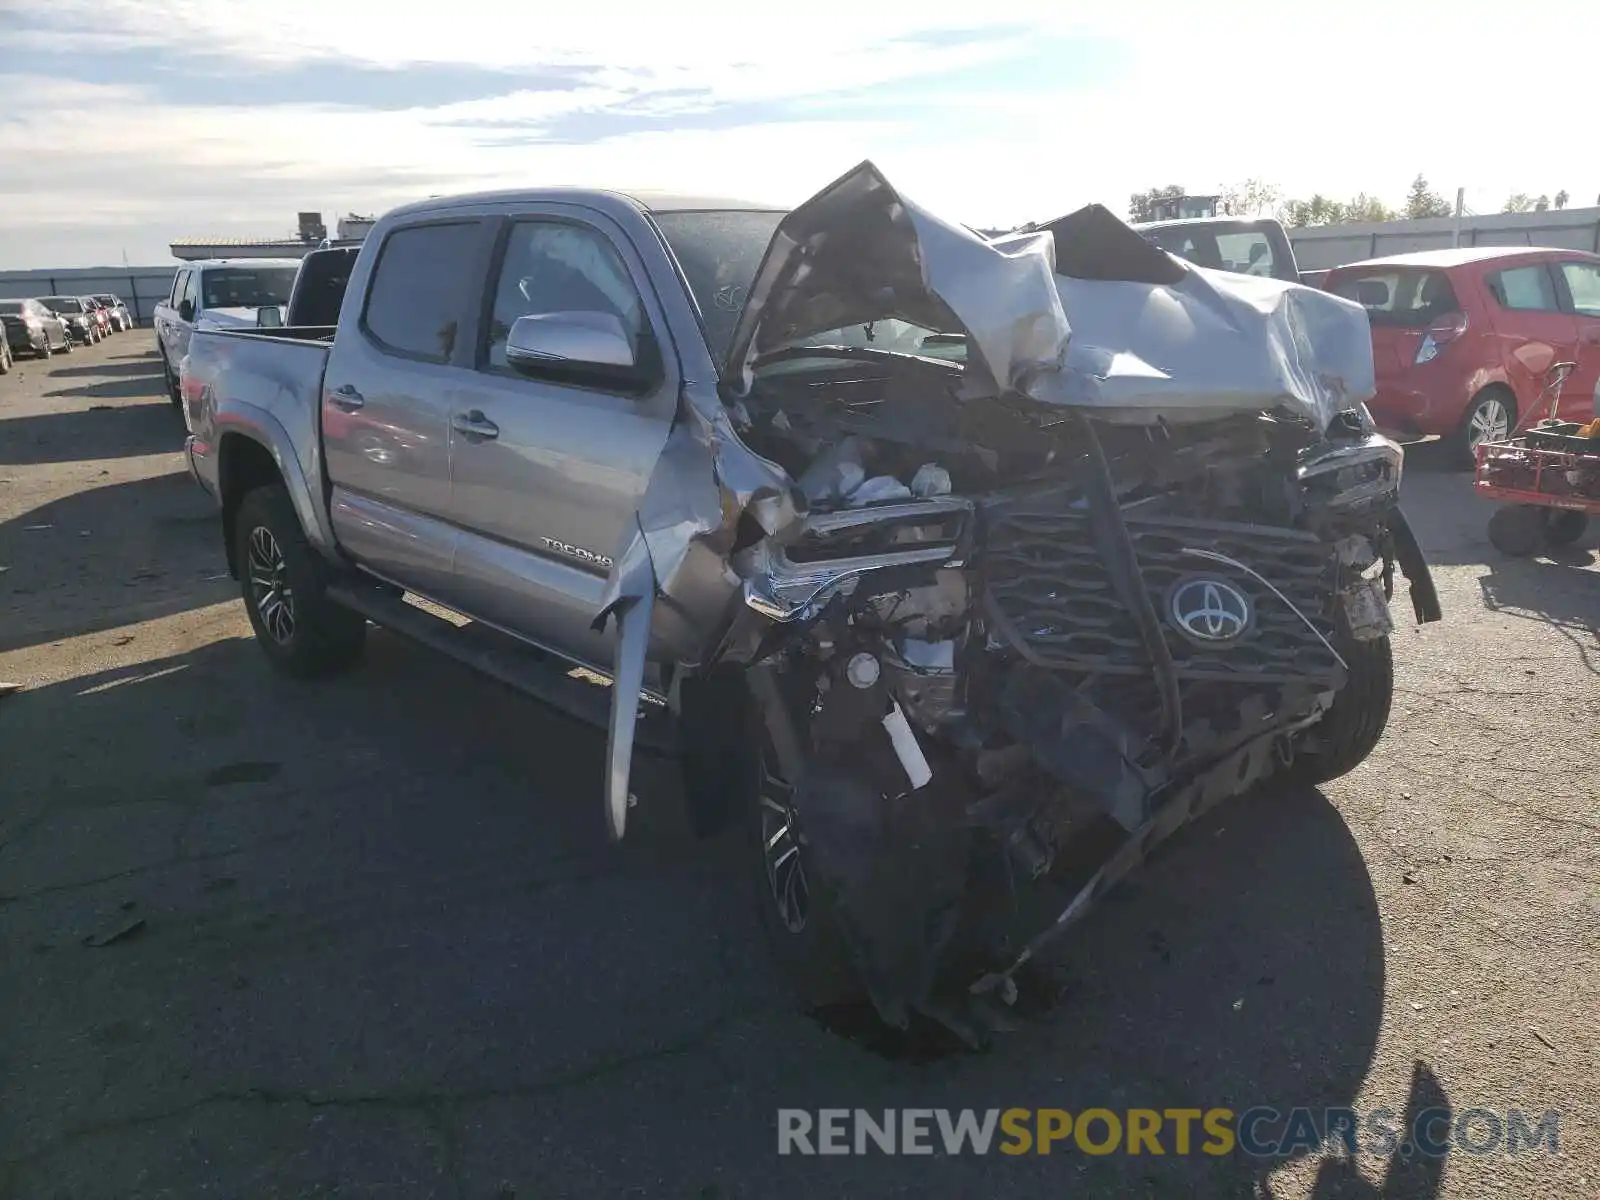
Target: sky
127,124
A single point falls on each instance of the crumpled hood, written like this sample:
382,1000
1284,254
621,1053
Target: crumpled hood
1082,313
1212,343
859,251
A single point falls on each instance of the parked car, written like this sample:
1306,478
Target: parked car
102,316
1462,339
78,317
121,318
1242,245
922,625
34,329
224,293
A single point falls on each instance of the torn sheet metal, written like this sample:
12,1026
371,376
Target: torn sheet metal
859,251
1211,344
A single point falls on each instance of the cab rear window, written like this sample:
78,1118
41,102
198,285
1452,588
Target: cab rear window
1405,299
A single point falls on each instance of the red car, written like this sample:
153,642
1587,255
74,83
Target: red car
1462,339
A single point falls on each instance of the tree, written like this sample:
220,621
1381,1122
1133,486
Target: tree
1562,198
1142,206
1318,210
1423,201
1542,204
1369,208
1518,202
1252,198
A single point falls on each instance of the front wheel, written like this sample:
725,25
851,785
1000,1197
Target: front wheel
284,585
1349,731
1518,530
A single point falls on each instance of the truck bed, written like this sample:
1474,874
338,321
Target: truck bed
270,384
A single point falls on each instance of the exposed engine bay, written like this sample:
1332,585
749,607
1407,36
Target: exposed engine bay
1044,546
1004,626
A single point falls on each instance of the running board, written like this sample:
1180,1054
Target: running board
575,690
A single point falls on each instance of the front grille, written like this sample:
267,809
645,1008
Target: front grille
1054,598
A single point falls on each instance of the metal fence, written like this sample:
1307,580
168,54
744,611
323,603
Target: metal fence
1335,245
140,288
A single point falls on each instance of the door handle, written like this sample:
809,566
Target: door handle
346,397
474,424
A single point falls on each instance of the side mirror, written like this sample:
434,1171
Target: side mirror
269,316
186,310
563,342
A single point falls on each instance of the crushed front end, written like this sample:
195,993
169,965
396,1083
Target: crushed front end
1081,541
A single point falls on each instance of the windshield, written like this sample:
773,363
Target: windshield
63,304
246,287
719,251
1242,247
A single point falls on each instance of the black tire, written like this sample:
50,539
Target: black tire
1517,530
276,563
1564,526
174,396
1494,406
811,955
1348,733
66,343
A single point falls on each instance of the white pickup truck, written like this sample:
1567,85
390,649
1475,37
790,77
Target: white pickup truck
219,293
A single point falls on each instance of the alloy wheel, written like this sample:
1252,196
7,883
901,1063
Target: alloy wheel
1490,422
269,585
781,846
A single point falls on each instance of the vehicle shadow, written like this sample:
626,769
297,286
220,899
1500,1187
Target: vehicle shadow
393,891
118,366
86,435
1566,599
113,389
112,555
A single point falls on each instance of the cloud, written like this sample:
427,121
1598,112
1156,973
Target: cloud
127,125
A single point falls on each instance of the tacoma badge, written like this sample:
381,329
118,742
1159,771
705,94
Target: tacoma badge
588,556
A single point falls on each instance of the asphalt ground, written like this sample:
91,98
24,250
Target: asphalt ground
366,938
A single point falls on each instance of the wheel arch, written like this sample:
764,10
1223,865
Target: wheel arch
243,465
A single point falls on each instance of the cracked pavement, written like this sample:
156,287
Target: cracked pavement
366,938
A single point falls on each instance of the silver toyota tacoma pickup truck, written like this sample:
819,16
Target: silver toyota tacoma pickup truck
959,571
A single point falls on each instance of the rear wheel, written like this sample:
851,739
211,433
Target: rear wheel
5,356
284,585
1563,526
1350,730
1489,418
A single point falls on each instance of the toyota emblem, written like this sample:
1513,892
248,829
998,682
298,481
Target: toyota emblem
1209,610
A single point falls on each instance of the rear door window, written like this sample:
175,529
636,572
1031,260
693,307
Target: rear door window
416,298
1398,298
1583,283
1524,289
